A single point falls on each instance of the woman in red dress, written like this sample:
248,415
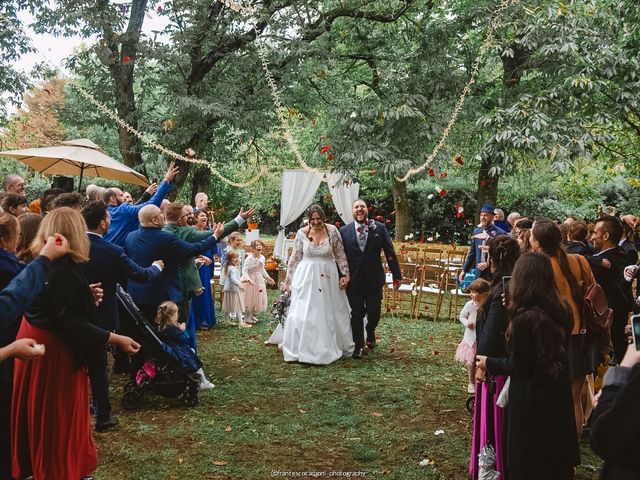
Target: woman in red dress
50,422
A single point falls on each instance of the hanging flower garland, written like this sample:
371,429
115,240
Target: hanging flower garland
189,156
475,70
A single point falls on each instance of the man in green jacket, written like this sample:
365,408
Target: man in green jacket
177,215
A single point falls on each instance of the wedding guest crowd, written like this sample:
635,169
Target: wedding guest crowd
59,270
530,360
536,357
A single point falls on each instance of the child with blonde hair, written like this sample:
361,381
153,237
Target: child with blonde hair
255,275
175,342
234,244
232,300
466,351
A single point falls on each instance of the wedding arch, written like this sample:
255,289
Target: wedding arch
298,189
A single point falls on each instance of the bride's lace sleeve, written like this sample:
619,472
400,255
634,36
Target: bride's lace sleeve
338,250
296,256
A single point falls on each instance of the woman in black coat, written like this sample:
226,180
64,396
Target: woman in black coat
488,419
541,440
50,423
615,425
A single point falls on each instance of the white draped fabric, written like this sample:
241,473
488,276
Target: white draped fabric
298,190
343,195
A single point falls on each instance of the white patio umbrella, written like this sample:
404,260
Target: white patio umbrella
79,157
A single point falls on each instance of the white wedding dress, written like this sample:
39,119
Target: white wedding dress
318,326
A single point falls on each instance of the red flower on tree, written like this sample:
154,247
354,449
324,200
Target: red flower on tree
443,175
126,59
483,183
431,172
459,160
330,156
325,148
442,192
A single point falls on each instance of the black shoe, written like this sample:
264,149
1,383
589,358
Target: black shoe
371,344
358,353
108,424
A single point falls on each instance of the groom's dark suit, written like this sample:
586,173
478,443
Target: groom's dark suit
367,276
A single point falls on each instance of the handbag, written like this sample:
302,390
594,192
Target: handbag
469,277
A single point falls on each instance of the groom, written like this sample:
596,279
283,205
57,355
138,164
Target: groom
363,241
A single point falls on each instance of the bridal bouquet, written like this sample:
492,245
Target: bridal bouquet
281,307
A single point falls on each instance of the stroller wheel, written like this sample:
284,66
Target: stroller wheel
130,386
470,405
190,395
190,399
131,400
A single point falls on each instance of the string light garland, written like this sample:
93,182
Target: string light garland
147,140
281,111
475,69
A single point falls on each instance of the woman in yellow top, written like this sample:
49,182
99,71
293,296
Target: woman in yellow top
568,271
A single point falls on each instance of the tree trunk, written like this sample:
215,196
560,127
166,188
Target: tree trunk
512,70
126,105
487,185
118,52
200,183
404,221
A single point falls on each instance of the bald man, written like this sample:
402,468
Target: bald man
150,243
202,201
124,217
14,184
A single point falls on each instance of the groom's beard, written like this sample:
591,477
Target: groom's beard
362,220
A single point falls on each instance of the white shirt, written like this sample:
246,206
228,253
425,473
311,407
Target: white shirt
468,315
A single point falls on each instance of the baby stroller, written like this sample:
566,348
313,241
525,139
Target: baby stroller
159,373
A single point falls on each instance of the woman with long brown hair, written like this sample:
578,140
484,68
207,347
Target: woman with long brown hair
318,325
541,441
491,326
29,224
570,272
50,423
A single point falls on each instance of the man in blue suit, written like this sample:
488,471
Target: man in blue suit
151,242
363,241
124,216
476,258
108,265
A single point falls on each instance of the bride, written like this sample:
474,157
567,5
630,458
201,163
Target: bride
318,328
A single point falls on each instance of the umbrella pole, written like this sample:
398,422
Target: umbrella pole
80,181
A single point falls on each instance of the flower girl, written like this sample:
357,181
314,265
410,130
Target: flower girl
255,276
232,301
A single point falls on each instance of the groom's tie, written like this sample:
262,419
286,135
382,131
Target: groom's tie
362,236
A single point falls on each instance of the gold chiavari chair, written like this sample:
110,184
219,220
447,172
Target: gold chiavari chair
402,300
430,291
410,254
432,255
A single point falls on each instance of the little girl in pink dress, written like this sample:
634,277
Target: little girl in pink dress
255,276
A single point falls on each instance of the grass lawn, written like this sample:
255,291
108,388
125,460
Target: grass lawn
376,416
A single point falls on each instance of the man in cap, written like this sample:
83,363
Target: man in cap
477,258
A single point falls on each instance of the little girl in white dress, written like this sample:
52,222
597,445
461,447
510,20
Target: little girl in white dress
466,351
232,299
